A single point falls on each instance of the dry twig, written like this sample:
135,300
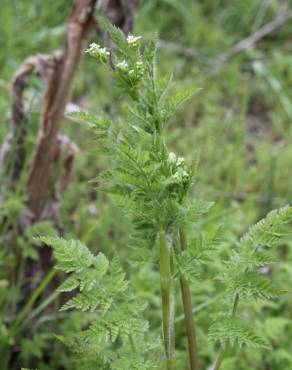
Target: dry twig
251,40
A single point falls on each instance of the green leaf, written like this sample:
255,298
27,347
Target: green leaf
163,85
252,286
236,332
268,231
100,123
116,34
71,255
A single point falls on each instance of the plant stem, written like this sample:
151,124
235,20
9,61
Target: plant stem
167,301
224,349
220,357
201,306
132,343
40,308
235,305
187,305
46,280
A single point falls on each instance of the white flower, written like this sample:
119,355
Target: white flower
123,66
104,51
184,174
180,161
133,40
180,175
172,158
92,46
96,50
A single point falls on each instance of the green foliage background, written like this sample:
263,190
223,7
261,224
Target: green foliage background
239,122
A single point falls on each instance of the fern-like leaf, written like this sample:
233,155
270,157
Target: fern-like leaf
235,332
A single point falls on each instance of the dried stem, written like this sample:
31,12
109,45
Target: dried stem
56,97
249,41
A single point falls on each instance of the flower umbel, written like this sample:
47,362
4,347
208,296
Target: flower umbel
99,52
133,40
181,175
178,169
174,160
123,66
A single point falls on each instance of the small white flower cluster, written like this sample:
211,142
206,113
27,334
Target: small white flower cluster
133,40
173,159
130,71
136,72
96,50
180,175
179,166
123,66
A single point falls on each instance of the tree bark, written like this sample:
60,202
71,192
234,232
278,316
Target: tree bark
56,97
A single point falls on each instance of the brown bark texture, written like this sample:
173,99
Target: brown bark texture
57,73
57,95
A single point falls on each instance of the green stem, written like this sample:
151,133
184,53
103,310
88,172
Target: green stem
201,306
187,306
132,344
224,349
23,313
167,301
220,357
40,308
235,305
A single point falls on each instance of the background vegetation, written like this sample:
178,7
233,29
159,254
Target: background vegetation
239,122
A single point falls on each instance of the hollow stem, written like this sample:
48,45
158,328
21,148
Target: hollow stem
167,294
188,313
